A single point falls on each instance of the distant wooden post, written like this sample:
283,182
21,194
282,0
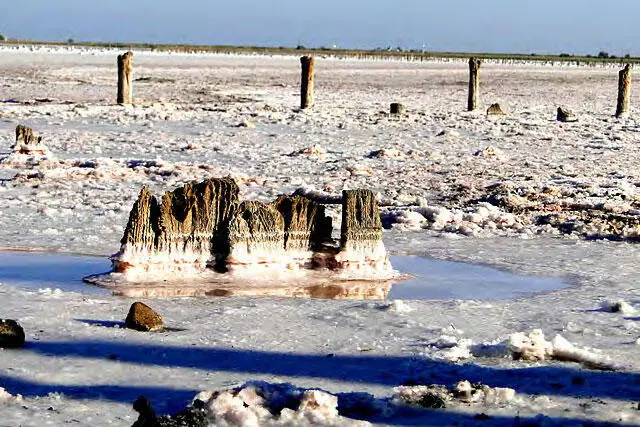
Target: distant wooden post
125,68
306,85
396,108
474,83
624,88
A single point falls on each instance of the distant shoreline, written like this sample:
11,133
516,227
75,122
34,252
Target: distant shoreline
409,55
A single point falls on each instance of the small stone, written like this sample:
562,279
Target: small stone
142,318
566,116
397,109
388,152
11,334
246,124
495,110
313,150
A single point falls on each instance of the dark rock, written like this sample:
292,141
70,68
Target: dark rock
147,417
433,400
142,318
11,334
495,110
566,116
192,416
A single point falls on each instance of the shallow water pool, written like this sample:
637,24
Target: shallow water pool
431,280
446,280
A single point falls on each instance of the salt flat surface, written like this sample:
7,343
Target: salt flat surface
203,116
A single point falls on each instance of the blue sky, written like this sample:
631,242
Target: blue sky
542,26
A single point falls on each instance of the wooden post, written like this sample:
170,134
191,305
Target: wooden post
125,68
306,85
474,83
624,88
397,109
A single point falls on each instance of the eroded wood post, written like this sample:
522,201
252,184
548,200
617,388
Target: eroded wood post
397,109
474,83
624,89
125,67
306,84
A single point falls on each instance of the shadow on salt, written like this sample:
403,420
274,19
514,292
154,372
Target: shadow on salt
424,279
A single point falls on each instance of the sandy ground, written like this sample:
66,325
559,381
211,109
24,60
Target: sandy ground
522,192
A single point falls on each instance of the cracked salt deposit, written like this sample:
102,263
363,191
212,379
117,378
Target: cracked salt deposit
521,192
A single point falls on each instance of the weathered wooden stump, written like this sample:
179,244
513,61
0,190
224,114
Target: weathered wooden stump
203,226
474,83
306,83
125,71
306,227
361,225
189,226
495,110
26,136
624,89
397,109
27,142
256,233
195,216
566,116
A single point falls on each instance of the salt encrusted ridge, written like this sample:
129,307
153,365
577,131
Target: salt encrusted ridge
203,226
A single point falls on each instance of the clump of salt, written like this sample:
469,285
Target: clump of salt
438,396
534,346
256,404
397,306
6,397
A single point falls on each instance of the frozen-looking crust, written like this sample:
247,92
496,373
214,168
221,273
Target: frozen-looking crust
204,227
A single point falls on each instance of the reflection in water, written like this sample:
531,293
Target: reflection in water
362,290
430,280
